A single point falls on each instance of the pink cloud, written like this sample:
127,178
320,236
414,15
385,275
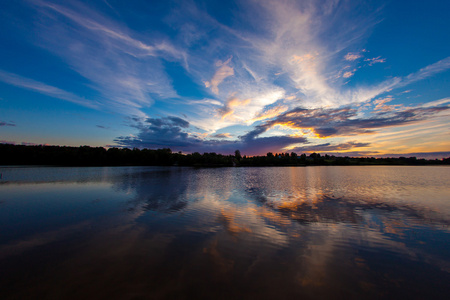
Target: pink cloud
352,56
375,60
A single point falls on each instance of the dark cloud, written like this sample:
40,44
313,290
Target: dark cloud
169,132
260,129
353,153
426,155
330,147
161,133
102,127
326,131
168,121
418,155
2,123
345,121
22,143
221,135
179,122
260,146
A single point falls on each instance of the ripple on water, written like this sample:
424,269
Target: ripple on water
319,232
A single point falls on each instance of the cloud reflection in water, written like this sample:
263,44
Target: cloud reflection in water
248,232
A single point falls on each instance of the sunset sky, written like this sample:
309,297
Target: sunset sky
351,77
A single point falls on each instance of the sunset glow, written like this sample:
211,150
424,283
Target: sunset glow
338,77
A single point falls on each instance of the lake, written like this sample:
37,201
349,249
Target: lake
354,232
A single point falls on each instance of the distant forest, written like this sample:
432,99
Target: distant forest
98,156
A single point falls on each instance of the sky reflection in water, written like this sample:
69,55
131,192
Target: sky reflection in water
315,232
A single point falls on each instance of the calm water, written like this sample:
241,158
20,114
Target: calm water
229,233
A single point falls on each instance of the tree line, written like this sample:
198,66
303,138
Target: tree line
99,156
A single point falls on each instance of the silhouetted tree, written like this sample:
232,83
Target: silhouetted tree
237,155
98,156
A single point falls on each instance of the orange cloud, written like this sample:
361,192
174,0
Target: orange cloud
227,111
223,72
270,113
380,104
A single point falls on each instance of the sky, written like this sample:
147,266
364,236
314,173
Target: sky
356,78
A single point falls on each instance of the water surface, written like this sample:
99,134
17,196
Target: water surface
229,233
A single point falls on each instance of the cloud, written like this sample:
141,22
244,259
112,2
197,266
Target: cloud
228,109
270,113
426,72
375,60
18,246
222,72
306,45
258,130
293,48
110,29
175,132
426,155
380,104
437,102
260,146
168,132
222,135
348,74
3,123
345,121
42,88
352,56
354,153
128,73
168,121
159,133
329,147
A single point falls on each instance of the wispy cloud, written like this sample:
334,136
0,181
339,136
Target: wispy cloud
42,88
3,123
291,52
437,102
118,62
127,71
426,72
289,63
294,42
107,28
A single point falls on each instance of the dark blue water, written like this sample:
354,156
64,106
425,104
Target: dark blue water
228,233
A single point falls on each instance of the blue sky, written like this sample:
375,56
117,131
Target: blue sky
351,77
